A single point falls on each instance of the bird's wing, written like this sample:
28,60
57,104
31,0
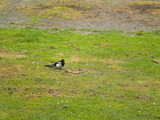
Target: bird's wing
55,64
59,64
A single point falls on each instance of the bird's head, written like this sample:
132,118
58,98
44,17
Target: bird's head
63,60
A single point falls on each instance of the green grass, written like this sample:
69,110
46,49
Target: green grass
119,78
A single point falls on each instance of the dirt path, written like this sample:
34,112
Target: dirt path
136,17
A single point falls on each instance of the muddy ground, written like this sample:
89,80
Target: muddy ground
118,15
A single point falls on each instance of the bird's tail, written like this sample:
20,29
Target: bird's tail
48,65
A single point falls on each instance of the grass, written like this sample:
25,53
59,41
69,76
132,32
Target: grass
117,79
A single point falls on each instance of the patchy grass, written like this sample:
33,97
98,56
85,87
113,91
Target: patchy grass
3,4
148,12
62,9
143,7
108,75
140,7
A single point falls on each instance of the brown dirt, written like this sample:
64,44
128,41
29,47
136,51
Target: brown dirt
133,87
156,60
13,55
76,71
124,15
11,71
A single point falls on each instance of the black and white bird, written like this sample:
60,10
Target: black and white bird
58,64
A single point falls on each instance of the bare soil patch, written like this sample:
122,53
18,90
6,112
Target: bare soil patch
76,71
7,54
156,60
11,71
133,87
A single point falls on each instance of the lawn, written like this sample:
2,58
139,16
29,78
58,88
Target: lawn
109,75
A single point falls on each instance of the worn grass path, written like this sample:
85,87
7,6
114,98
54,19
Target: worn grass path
108,75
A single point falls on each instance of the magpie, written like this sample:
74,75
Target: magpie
58,64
